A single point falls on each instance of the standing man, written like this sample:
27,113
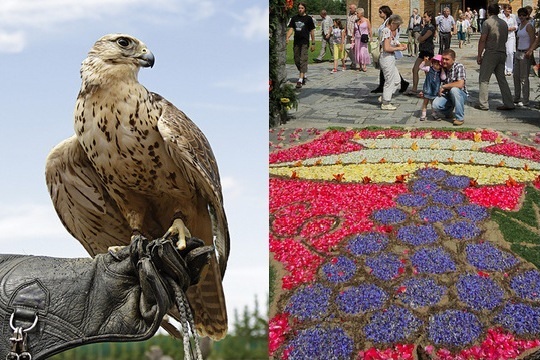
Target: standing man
453,91
481,18
326,33
351,20
511,22
415,26
447,27
303,27
491,58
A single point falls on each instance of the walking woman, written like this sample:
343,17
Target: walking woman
384,13
426,48
525,38
362,34
391,49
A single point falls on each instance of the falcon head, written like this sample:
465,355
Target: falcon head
116,56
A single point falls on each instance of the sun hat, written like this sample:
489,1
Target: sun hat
437,57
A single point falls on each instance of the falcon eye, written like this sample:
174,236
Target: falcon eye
123,42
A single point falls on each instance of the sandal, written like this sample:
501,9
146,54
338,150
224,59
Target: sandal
411,93
423,118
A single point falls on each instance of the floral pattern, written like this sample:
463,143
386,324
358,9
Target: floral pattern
384,235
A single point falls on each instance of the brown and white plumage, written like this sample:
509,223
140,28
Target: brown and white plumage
137,164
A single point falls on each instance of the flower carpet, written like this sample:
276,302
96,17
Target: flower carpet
403,244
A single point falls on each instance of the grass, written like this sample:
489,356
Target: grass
522,228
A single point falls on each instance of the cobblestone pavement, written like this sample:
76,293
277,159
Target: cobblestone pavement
344,99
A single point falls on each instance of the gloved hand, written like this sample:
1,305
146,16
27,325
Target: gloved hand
48,305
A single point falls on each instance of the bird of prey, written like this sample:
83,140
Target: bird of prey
138,165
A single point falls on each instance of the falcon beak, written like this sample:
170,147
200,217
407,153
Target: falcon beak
147,58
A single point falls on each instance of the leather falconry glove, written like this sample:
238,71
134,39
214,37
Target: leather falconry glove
48,305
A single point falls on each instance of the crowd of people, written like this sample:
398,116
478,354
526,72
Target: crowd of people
506,48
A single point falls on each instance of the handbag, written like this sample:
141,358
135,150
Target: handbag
374,50
364,38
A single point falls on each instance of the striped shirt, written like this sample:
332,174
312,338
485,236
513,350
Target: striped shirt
445,24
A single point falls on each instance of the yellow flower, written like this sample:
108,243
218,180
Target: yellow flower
414,146
477,137
285,100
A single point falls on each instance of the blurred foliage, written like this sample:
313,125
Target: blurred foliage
248,339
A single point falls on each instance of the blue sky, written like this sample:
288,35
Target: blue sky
211,62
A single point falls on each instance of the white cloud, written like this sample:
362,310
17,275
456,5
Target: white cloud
18,17
28,221
252,24
12,42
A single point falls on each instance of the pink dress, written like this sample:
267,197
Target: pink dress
361,51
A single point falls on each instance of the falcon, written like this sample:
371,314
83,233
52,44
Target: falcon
137,165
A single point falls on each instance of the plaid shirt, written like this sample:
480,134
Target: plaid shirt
455,73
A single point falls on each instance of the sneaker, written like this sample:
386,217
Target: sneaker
518,103
422,118
334,70
304,81
457,122
298,84
388,107
479,107
379,99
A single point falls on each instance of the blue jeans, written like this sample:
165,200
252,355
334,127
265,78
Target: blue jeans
452,100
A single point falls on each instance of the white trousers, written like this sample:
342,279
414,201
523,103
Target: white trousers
392,80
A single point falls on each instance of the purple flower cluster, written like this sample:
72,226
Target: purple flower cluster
390,216
309,302
454,328
411,200
417,234
320,343
473,212
392,325
521,319
339,269
479,292
485,256
447,197
527,285
457,182
384,266
362,298
368,243
433,261
424,187
462,230
431,173
420,292
435,213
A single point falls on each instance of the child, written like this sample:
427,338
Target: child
338,39
432,84
462,29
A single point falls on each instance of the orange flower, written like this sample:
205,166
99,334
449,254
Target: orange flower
526,167
400,179
434,162
511,182
502,163
450,160
339,177
298,163
366,180
473,183
364,160
410,161
294,175
318,162
339,162
477,137
382,161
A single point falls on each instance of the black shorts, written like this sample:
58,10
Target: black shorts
422,54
